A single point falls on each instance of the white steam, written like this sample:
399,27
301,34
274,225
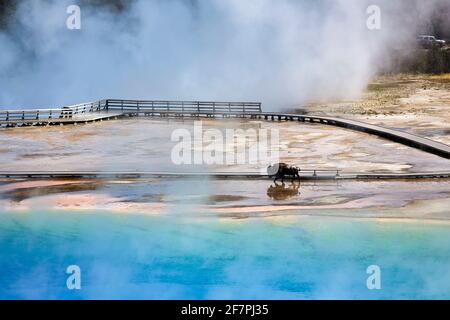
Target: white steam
279,52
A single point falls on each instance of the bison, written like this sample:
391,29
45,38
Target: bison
282,170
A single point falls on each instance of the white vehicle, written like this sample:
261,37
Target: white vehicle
430,41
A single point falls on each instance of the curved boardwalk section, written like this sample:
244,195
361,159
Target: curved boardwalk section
402,137
115,108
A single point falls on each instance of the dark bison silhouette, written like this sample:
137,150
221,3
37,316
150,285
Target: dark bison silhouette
282,170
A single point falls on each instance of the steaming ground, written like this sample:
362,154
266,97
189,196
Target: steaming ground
145,145
419,104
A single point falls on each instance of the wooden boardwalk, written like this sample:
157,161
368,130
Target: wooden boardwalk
304,175
116,108
76,119
402,137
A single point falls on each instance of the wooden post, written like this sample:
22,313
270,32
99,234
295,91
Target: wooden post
7,115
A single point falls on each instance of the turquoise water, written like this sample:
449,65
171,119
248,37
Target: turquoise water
137,256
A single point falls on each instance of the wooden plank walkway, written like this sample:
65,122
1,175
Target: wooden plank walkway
116,108
402,137
304,175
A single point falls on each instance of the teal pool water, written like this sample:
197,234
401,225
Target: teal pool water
147,257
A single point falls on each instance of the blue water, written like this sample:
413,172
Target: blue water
145,257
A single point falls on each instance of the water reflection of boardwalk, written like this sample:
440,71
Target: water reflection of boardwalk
114,109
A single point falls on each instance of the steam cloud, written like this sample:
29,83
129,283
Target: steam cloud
279,52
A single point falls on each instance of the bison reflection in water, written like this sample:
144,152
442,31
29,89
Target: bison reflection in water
282,192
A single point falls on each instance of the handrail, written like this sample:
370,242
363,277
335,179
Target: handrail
213,107
168,105
186,101
29,110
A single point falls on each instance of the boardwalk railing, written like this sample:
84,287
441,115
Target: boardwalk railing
88,107
31,115
212,107
198,107
34,114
